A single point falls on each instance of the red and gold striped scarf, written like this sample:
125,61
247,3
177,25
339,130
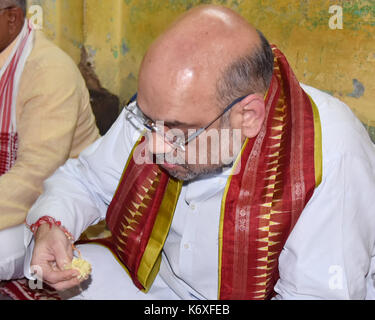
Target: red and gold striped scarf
279,170
10,75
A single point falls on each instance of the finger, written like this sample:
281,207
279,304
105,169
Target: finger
63,256
65,285
54,277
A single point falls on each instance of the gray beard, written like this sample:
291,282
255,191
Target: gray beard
192,172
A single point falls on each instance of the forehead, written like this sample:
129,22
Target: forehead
185,95
178,83
178,111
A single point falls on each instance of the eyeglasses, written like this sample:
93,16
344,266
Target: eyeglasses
173,137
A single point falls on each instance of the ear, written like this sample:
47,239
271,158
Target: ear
253,112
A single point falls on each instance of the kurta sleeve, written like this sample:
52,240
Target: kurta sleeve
78,193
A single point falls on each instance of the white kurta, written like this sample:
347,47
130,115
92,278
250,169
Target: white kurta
328,255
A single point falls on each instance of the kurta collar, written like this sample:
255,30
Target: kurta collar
204,188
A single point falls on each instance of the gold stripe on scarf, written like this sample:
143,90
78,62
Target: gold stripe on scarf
318,149
151,259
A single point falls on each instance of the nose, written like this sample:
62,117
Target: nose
157,144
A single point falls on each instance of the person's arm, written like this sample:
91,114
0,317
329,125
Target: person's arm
49,102
77,195
328,254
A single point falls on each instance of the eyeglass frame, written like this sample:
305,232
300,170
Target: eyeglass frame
151,125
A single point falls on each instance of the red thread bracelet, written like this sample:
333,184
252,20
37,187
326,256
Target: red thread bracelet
51,221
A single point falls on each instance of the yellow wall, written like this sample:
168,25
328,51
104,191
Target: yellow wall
116,34
63,23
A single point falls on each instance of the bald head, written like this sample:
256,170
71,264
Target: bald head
209,56
183,68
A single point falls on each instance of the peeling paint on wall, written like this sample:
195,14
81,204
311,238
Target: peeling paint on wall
358,91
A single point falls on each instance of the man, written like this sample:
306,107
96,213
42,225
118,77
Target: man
277,204
45,118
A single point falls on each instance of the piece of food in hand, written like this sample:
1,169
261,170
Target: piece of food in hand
83,266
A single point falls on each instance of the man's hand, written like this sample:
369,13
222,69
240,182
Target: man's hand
52,252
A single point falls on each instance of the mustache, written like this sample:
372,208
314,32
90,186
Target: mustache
169,158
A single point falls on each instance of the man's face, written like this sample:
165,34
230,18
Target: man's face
177,86
209,153
11,22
